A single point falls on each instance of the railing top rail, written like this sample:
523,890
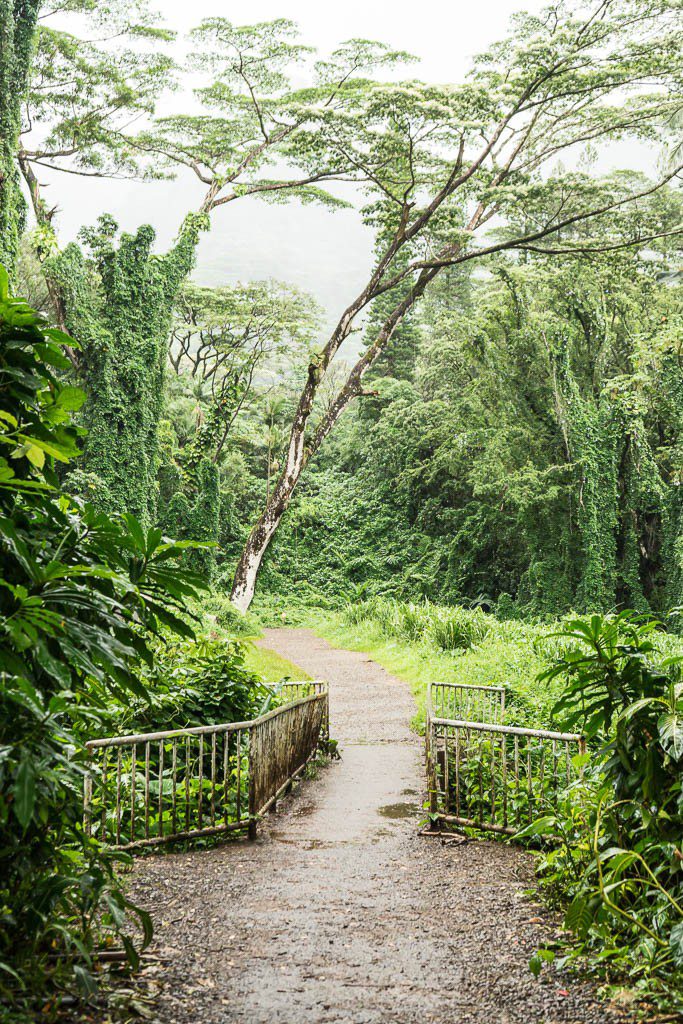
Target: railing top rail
199,730
510,730
471,686
302,682
284,707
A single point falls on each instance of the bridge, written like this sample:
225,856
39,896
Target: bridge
345,907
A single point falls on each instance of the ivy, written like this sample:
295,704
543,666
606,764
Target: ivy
17,25
118,297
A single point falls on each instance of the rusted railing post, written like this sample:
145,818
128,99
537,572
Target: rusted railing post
432,785
251,771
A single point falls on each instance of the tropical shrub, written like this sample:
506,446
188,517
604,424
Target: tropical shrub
202,682
81,597
619,868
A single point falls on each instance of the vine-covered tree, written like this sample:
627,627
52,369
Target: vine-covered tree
443,165
17,28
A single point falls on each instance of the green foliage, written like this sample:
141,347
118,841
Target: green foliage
502,653
619,868
534,459
204,523
81,596
218,609
86,93
194,682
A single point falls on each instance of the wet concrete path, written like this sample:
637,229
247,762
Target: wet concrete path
341,911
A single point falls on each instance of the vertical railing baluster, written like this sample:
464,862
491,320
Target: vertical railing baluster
238,802
187,783
251,780
174,785
146,790
517,802
529,781
133,769
200,796
213,779
226,775
161,788
446,772
480,771
118,796
568,758
493,777
504,779
457,771
105,757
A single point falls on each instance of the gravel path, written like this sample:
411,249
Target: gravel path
340,911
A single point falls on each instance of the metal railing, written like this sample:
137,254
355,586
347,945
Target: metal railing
495,777
467,702
151,788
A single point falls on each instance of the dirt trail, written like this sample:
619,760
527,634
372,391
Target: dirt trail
340,911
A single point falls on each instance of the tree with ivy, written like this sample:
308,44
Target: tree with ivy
443,165
17,28
532,463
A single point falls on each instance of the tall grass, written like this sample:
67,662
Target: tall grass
446,628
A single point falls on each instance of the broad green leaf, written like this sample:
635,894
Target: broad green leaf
71,399
35,456
579,917
671,733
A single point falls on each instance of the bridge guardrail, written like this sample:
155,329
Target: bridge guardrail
494,777
151,788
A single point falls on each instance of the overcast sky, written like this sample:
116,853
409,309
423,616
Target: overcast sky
326,253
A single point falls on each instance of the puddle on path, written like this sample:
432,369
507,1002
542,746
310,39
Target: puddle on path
396,811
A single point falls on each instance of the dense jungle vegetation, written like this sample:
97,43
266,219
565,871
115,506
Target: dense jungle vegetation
478,468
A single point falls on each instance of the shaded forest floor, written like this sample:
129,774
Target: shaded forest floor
341,911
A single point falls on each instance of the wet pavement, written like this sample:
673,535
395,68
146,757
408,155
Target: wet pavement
341,911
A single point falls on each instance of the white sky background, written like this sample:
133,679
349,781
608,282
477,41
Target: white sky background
326,253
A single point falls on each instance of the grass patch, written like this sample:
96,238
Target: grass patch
271,666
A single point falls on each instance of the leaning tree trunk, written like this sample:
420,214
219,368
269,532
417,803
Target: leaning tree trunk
244,582
302,450
277,503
